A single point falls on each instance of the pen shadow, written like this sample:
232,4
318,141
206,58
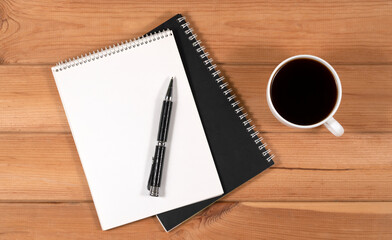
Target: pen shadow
157,112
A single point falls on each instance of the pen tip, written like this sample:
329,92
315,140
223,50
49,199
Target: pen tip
169,89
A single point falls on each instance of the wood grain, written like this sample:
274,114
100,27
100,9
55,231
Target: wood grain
244,220
30,102
43,190
257,32
46,167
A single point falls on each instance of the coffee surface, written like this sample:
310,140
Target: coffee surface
304,92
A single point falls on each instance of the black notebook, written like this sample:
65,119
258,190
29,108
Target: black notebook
236,145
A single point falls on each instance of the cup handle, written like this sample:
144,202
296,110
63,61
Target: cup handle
334,127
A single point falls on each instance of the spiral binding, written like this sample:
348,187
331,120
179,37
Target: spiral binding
243,116
111,50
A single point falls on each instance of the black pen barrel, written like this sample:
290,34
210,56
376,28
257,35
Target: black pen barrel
164,121
154,181
157,170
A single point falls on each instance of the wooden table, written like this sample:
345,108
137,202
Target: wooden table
321,186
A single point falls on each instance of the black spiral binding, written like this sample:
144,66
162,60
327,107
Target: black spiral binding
111,50
224,85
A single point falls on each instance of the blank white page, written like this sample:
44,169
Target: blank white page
113,105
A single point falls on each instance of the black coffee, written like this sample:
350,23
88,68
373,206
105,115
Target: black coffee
304,92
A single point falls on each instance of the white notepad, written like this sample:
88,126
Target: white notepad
112,100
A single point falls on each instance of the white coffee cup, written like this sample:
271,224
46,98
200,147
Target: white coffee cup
330,123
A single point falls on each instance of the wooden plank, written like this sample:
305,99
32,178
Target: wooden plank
365,107
320,167
302,220
258,31
30,102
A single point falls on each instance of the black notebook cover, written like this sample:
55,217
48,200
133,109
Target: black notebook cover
236,146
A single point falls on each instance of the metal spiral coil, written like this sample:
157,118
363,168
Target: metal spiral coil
111,50
227,91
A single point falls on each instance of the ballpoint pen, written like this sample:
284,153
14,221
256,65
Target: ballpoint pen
154,181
